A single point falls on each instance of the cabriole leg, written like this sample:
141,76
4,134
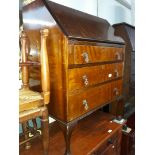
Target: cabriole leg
67,130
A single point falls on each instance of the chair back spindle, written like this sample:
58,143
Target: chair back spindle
45,80
25,71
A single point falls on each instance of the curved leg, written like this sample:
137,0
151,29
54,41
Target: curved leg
67,130
45,131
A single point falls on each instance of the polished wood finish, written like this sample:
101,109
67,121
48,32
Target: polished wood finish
80,25
74,47
67,133
90,137
127,32
95,54
128,139
45,79
87,76
117,107
59,52
33,104
25,73
94,97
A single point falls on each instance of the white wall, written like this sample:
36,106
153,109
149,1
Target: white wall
133,11
111,10
88,6
114,12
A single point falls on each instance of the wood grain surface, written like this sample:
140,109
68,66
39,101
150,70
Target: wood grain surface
89,137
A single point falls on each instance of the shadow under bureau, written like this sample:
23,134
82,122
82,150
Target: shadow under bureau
86,61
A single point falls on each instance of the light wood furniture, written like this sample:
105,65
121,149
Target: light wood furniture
33,104
86,61
90,137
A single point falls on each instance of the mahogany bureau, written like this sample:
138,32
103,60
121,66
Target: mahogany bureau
86,61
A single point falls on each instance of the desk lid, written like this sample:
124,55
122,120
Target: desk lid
79,25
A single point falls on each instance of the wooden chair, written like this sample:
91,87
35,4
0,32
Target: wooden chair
33,104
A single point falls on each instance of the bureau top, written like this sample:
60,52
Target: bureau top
73,23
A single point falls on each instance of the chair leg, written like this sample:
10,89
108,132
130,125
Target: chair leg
25,131
45,131
34,124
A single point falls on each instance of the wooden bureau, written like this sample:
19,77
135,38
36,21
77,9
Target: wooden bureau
86,61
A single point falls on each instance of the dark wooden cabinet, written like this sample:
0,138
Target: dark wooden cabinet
127,32
128,139
90,137
110,146
86,61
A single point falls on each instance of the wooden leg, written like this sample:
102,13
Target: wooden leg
34,124
25,131
117,107
67,130
45,131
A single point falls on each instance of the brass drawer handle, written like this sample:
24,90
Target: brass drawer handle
110,75
110,141
116,92
85,79
85,104
85,57
116,74
118,56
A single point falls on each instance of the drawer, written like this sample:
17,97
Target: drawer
84,101
81,54
109,147
87,76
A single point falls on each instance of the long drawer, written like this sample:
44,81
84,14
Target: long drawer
84,101
83,54
87,76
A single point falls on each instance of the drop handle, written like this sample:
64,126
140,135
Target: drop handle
118,56
85,57
85,80
85,103
116,92
110,141
116,74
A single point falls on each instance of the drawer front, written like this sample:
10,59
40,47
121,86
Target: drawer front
87,76
81,54
110,146
84,101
